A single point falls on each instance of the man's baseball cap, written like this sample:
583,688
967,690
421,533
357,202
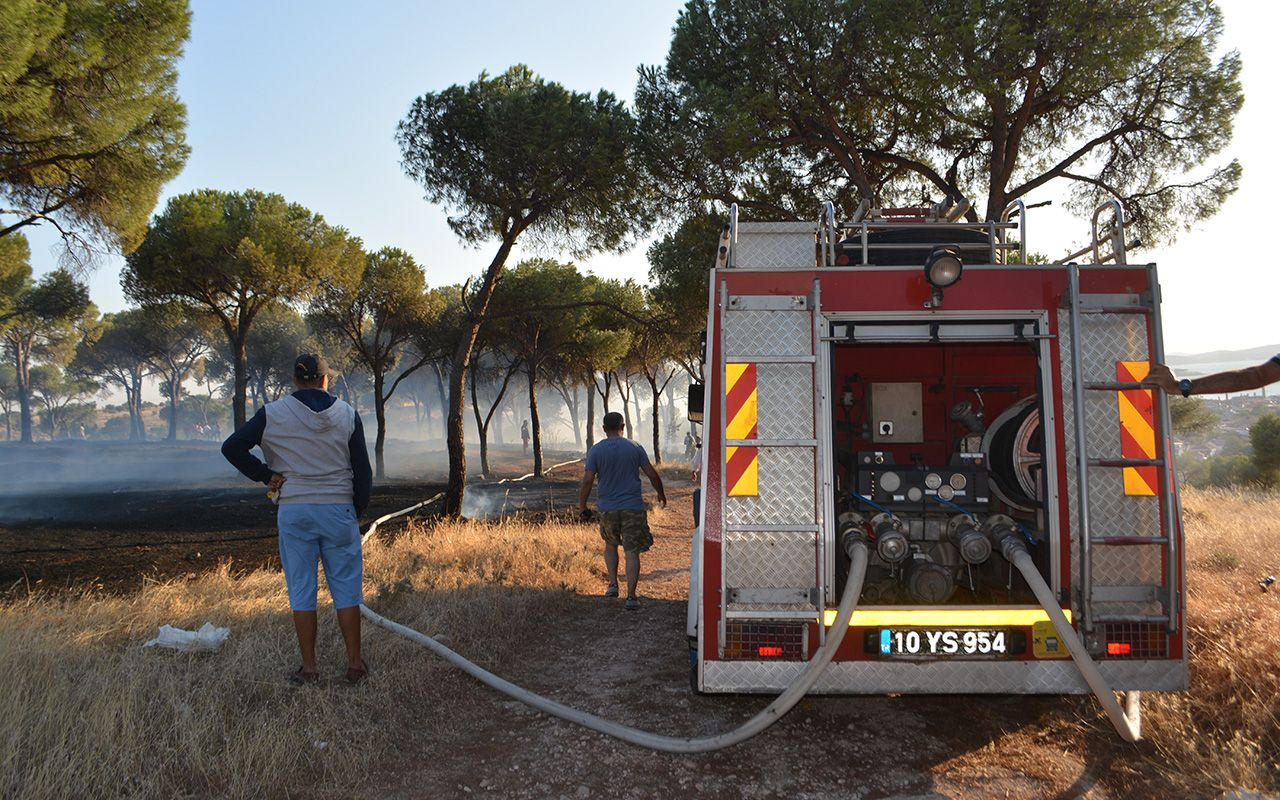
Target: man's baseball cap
310,367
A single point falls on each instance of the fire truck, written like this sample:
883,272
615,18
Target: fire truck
900,406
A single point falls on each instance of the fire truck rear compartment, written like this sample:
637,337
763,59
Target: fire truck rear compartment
938,457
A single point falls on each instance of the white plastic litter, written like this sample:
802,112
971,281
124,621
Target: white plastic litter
206,640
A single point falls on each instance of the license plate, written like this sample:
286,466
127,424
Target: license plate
992,642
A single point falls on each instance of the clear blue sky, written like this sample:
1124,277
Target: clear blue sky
302,98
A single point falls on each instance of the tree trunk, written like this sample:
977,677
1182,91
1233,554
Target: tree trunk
380,412
175,389
575,418
456,443
240,346
591,416
625,395
135,411
23,361
533,419
444,402
657,409
481,429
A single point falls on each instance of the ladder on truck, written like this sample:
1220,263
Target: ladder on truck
1116,600
774,541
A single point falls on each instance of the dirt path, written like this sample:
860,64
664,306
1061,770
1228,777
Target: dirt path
633,667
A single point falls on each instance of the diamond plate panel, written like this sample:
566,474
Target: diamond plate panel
784,401
786,491
776,245
770,559
955,677
751,333
1108,338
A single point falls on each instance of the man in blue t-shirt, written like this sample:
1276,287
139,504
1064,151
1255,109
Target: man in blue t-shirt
618,462
1236,380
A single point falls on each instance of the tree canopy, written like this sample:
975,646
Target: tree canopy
774,105
90,122
377,318
511,156
234,254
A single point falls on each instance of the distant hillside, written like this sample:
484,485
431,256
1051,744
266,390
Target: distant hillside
1252,355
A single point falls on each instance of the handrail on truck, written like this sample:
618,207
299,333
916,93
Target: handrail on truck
1117,238
1117,233
733,235
1005,217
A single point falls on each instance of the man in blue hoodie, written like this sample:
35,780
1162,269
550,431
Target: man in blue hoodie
318,471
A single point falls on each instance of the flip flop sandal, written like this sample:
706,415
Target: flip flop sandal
355,675
301,677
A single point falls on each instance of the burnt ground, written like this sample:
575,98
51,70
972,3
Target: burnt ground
109,515
101,522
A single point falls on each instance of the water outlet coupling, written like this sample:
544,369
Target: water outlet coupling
891,540
974,546
1003,533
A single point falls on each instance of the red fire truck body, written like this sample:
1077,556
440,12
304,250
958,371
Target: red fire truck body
847,393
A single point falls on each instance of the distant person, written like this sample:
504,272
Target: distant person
318,471
623,520
524,435
688,444
1236,380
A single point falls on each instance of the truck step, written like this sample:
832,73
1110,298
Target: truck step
1126,462
1151,618
1120,541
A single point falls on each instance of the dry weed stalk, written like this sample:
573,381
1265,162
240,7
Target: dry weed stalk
87,712
1224,733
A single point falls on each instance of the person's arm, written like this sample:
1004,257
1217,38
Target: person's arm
584,492
361,472
656,480
1236,380
237,446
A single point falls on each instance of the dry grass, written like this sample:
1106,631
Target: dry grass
1224,733
87,712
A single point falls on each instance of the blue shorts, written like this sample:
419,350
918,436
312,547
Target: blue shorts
327,533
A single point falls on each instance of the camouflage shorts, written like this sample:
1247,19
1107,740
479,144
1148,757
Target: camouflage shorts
627,528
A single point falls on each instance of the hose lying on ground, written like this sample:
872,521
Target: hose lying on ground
783,703
1127,721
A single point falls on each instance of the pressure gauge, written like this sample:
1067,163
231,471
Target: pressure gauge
890,481
958,481
915,494
933,480
945,492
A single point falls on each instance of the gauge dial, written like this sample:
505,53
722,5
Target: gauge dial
890,481
933,480
914,494
946,492
958,481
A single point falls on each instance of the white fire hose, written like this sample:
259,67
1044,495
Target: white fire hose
857,551
1127,721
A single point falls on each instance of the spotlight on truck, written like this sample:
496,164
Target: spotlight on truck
943,267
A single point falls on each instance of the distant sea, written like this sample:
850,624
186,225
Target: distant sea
1193,364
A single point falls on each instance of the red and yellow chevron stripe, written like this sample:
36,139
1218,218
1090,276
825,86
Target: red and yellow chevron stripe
741,474
1137,429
